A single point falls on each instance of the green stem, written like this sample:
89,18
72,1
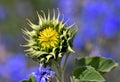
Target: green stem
60,68
57,68
59,72
64,65
65,61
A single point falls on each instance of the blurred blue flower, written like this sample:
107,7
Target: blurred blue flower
14,68
109,27
99,18
78,41
108,54
94,10
66,6
116,3
43,74
87,33
3,12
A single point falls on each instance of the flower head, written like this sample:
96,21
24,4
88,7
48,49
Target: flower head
50,39
43,74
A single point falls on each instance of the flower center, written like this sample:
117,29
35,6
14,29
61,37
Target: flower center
48,38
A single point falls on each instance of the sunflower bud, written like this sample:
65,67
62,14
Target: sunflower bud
50,39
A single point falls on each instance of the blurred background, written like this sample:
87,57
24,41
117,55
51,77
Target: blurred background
99,33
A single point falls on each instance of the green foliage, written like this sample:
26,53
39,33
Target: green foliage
87,73
31,79
90,69
101,64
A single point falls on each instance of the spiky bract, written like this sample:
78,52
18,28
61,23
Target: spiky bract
50,39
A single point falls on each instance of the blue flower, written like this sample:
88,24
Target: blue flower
110,27
43,74
95,10
16,66
66,6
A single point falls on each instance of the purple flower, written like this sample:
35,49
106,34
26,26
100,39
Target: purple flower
43,74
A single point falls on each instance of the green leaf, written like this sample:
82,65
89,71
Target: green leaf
31,79
25,81
87,73
72,79
101,64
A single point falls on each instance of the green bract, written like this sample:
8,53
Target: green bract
50,39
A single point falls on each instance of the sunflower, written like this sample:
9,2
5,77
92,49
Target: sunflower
50,39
